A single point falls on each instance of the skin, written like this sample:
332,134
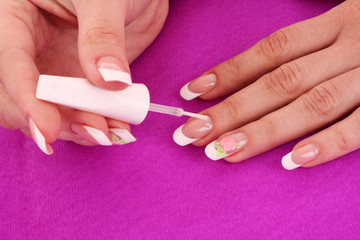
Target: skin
298,80
67,38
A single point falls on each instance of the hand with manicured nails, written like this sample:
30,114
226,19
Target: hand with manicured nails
81,38
298,80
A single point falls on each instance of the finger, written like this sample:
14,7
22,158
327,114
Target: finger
144,29
20,79
281,47
273,91
322,105
88,126
102,42
19,75
331,143
94,129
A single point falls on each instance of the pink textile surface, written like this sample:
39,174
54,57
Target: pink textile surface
154,189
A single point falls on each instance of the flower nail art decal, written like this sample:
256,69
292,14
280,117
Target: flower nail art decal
121,136
118,141
226,146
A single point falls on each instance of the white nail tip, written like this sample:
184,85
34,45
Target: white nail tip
39,137
123,134
181,139
211,152
288,163
187,94
115,75
98,135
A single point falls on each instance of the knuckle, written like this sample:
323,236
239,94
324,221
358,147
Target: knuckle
275,46
233,66
269,128
286,81
232,109
103,32
321,101
344,142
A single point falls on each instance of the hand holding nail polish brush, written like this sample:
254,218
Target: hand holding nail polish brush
130,105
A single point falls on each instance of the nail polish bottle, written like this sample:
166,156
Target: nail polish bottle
130,105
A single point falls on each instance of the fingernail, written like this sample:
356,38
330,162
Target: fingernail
111,69
300,156
39,138
192,130
91,134
198,86
121,136
226,146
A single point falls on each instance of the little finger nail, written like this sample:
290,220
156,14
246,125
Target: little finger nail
198,86
300,156
121,136
112,70
192,130
226,146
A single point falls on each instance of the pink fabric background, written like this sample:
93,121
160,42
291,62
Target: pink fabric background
154,189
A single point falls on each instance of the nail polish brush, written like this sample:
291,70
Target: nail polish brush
175,111
130,105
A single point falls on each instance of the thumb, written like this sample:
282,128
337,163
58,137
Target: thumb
101,43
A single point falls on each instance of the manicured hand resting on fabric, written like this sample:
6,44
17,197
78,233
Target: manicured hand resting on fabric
80,38
296,81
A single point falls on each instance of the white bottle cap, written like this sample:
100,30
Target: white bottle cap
130,105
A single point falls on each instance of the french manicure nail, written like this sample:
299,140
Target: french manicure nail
111,69
198,86
300,156
192,130
91,134
39,138
226,146
121,136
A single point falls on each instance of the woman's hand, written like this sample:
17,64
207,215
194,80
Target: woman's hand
298,80
80,38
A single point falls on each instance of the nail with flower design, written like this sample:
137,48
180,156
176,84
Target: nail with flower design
121,136
226,146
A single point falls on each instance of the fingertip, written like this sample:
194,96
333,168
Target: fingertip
188,95
48,120
39,137
109,79
199,87
288,163
211,152
113,70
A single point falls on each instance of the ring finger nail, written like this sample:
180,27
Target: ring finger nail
192,130
121,136
300,156
198,86
226,146
91,134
